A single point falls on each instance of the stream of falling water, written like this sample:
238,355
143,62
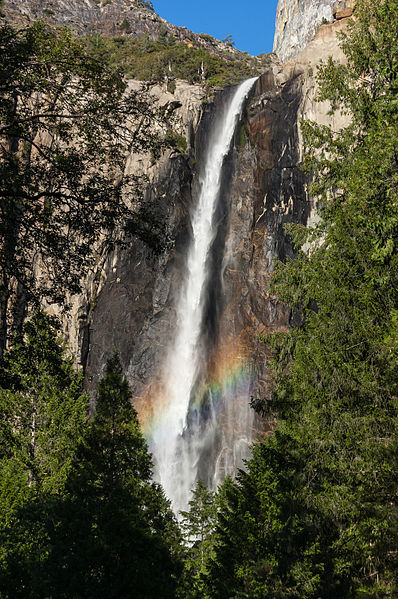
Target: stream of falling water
176,445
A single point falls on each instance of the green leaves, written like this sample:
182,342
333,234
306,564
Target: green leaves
342,395
80,517
198,530
151,60
43,409
67,124
316,513
130,532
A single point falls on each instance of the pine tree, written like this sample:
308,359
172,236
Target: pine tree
342,378
316,515
43,414
97,526
114,534
198,529
43,419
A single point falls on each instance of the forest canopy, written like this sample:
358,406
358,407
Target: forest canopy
315,514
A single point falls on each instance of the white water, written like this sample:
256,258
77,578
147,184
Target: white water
176,444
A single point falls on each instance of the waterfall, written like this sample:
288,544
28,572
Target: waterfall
188,430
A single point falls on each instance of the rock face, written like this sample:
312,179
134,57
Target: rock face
129,300
297,21
265,188
110,18
129,303
129,288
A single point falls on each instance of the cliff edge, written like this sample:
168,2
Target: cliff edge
297,22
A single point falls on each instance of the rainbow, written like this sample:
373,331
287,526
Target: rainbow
230,377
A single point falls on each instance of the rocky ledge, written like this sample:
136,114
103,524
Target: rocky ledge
132,18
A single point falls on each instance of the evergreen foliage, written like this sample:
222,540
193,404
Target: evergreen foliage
316,514
198,529
155,60
43,419
108,532
43,414
121,523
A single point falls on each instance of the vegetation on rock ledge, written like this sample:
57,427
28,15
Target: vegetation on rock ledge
315,515
150,60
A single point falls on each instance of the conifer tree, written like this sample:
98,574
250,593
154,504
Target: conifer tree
43,414
198,529
43,419
316,515
114,533
93,525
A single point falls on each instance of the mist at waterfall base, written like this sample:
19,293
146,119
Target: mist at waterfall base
198,421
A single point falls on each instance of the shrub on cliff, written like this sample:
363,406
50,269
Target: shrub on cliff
151,60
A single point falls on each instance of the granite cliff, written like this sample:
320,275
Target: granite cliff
129,300
297,22
131,18
265,188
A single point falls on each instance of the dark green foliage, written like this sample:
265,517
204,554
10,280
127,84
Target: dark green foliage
267,539
43,419
43,414
207,37
151,60
228,40
122,523
110,533
198,529
66,126
125,26
316,515
176,141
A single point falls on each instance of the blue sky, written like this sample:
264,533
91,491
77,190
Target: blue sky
250,22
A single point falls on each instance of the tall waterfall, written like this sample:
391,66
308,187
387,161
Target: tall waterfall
189,431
